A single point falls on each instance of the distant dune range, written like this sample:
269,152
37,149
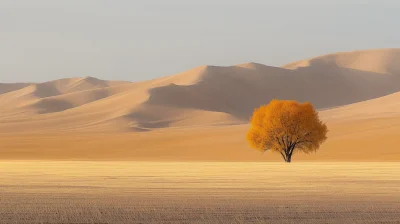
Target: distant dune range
207,109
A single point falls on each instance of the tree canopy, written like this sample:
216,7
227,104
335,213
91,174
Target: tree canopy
286,127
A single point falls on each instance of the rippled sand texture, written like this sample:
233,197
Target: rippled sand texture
151,192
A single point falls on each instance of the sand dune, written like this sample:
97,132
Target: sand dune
206,110
54,96
206,95
382,107
383,61
8,87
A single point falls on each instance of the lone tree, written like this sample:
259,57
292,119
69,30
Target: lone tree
286,127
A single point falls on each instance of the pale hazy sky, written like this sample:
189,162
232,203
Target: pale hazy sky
134,40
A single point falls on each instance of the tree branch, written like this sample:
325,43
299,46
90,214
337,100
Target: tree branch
283,155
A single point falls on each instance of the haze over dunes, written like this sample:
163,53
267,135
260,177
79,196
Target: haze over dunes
355,91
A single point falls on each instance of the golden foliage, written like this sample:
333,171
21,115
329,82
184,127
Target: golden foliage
286,126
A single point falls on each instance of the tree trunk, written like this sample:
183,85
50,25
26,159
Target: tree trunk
287,154
288,158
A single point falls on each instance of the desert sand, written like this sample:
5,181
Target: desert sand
142,192
173,149
202,114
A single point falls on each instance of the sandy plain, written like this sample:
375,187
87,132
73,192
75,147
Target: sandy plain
198,192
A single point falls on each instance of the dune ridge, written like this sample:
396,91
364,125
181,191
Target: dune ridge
206,95
382,61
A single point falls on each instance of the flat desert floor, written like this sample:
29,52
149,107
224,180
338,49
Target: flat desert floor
199,192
